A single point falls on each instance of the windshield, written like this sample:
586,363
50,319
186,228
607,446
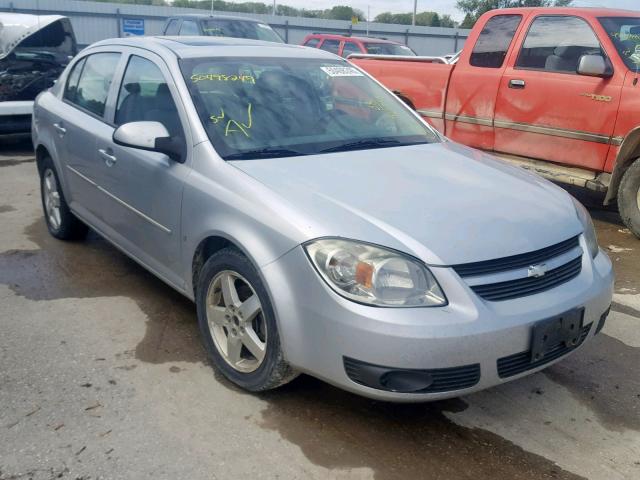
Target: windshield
220,27
279,107
624,32
387,49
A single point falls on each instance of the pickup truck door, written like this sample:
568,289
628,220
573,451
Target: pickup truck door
545,110
474,84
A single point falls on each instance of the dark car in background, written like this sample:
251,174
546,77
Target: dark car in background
34,50
220,26
345,45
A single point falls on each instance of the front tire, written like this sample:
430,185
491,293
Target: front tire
629,198
62,224
238,324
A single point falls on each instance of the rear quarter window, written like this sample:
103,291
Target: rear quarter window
493,43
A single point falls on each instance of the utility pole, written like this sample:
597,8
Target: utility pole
368,18
274,7
415,9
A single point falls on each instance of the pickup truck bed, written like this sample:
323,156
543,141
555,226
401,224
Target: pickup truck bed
552,89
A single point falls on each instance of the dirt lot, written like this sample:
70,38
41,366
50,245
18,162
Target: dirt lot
102,375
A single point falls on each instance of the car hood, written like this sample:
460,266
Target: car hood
16,27
444,203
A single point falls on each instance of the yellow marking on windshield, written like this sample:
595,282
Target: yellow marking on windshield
217,118
241,127
198,77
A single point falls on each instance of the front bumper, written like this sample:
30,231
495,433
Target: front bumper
319,329
15,117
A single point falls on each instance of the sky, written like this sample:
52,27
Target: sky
440,6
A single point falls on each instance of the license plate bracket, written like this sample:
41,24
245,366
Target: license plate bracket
564,329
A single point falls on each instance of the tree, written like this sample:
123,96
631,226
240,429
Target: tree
426,19
473,9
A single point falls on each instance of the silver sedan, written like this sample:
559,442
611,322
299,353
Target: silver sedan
319,224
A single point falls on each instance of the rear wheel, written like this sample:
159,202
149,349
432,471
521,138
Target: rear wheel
629,198
61,222
238,324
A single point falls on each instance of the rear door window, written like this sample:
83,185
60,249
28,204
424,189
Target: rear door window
312,42
189,27
493,43
331,46
95,81
556,43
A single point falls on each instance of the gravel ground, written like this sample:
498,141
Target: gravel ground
102,375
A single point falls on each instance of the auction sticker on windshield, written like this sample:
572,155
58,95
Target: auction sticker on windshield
338,71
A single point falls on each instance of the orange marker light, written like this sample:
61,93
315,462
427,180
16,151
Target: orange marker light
364,274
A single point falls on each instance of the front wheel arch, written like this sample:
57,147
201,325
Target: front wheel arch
628,153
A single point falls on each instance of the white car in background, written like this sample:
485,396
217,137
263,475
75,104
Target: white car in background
34,50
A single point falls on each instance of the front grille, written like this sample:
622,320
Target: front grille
521,362
444,379
530,285
516,261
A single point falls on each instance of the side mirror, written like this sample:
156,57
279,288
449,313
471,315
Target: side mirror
594,66
150,136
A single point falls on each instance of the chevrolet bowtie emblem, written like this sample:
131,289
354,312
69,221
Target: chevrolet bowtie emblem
537,270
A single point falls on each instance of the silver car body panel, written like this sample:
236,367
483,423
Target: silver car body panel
442,203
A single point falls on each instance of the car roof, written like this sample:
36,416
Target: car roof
337,36
580,11
197,16
199,47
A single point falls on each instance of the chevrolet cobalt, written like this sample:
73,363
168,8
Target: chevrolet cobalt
318,223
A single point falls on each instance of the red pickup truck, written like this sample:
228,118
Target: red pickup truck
554,90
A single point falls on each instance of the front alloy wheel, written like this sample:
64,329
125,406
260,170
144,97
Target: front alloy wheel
238,324
236,321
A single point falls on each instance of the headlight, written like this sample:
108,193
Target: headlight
589,229
374,275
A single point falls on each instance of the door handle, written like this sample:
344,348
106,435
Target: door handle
61,130
109,159
518,84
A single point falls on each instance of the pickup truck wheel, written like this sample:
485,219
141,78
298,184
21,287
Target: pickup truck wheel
61,223
629,198
238,324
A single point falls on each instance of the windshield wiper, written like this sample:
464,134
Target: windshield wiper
364,144
264,153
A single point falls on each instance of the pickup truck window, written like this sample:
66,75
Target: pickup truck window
330,45
172,27
556,43
624,32
221,27
376,48
189,28
349,48
493,43
257,108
